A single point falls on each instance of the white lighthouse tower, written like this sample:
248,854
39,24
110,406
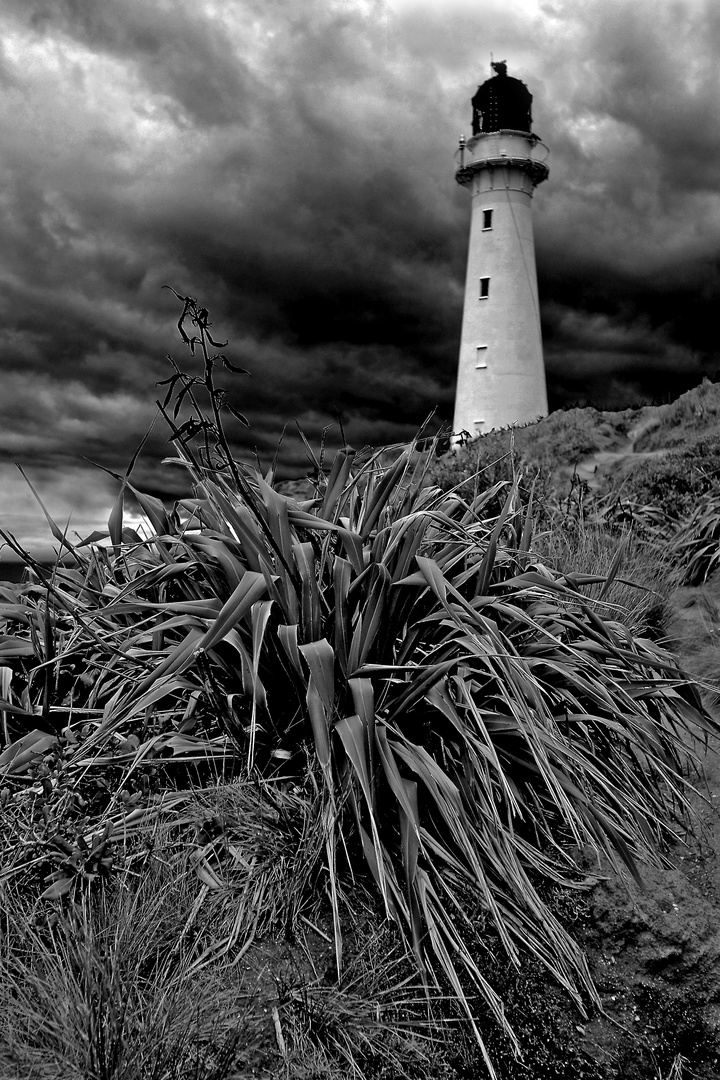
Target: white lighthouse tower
501,375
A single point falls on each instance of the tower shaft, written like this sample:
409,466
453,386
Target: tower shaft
501,375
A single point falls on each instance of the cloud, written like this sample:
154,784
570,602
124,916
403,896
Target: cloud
77,498
292,167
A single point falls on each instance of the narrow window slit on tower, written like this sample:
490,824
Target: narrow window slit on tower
481,356
487,219
484,288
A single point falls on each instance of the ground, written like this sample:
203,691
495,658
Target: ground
655,952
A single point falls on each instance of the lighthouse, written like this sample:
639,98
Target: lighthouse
501,374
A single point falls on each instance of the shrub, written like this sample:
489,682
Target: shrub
675,482
534,451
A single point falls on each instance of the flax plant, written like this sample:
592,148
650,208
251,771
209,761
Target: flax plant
477,727
696,544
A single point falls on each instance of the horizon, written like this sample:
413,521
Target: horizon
45,551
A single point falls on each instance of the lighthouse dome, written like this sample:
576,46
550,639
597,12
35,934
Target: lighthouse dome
502,103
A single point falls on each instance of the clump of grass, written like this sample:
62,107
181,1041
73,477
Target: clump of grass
625,543
641,573
696,544
104,989
471,716
376,1021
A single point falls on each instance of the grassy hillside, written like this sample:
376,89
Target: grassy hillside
322,782
678,441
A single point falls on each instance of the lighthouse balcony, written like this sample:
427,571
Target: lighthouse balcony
500,149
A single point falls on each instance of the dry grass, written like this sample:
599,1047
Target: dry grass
643,572
107,989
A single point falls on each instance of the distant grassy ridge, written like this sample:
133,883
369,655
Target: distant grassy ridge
686,431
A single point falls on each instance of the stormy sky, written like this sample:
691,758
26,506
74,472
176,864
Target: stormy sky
290,164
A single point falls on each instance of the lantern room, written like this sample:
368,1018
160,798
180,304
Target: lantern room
502,103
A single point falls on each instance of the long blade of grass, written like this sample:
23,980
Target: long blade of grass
251,588
371,618
304,556
260,616
320,659
354,736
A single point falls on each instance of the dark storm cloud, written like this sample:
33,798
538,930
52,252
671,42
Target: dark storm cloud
660,77
628,229
175,49
291,165
317,233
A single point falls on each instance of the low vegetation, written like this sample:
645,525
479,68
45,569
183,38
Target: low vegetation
290,784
